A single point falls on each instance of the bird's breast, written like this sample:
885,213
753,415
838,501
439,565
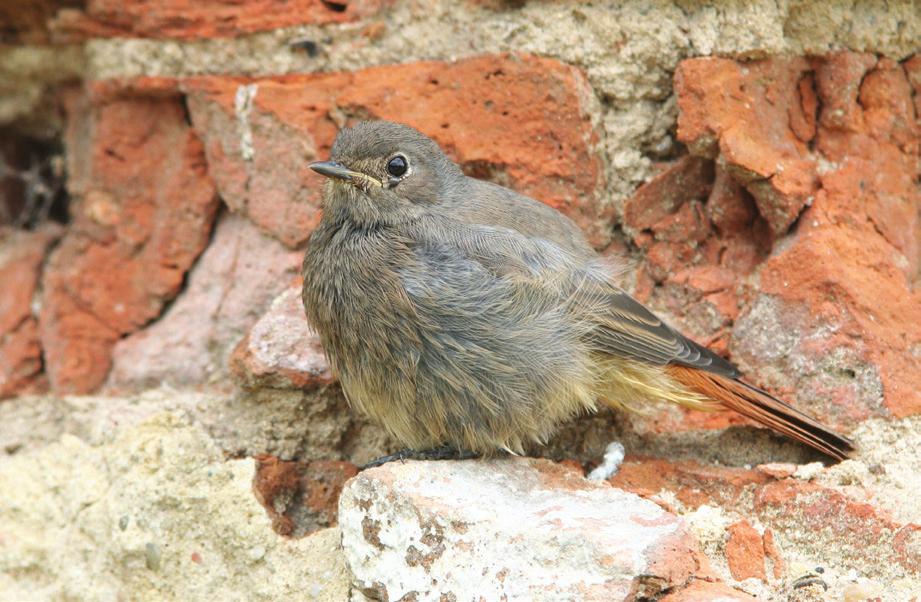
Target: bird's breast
353,297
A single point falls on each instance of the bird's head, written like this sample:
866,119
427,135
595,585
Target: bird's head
384,172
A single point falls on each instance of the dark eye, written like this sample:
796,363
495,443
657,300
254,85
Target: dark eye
397,166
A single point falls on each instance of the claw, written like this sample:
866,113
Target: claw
435,453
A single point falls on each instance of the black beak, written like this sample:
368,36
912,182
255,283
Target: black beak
331,169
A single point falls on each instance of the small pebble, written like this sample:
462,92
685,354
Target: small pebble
152,556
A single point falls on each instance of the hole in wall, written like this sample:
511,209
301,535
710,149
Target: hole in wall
32,181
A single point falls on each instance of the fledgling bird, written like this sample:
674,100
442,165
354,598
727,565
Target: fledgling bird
459,313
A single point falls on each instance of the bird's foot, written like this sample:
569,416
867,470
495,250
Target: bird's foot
436,453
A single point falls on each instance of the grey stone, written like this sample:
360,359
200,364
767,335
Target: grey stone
508,529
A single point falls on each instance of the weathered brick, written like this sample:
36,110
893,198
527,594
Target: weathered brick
281,349
21,257
204,18
860,232
813,515
687,178
694,484
230,287
517,119
300,497
745,552
756,119
142,213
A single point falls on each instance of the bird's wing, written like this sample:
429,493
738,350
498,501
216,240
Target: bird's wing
613,321
624,327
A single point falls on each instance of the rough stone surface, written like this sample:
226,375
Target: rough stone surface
143,212
289,425
526,124
281,350
513,529
812,203
30,81
228,289
21,257
156,512
628,51
857,520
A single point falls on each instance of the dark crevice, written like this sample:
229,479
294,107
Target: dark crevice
338,7
168,303
186,112
32,181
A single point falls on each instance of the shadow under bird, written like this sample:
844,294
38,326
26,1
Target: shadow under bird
459,313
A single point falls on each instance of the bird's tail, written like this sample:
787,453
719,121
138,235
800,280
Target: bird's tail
763,408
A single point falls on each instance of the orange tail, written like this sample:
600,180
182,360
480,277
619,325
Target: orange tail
764,409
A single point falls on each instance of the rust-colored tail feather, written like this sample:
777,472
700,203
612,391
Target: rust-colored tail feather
763,408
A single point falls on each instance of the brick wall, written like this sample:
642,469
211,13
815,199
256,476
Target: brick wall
748,191
756,165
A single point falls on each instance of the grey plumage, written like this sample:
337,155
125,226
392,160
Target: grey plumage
459,312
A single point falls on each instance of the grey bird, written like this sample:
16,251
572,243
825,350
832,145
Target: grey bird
456,312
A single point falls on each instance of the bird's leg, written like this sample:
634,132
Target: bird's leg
443,452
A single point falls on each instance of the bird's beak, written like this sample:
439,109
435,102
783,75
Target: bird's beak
331,169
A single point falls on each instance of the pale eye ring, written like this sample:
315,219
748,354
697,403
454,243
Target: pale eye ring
397,166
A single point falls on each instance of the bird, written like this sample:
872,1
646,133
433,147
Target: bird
462,315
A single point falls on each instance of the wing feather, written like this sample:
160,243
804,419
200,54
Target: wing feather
616,323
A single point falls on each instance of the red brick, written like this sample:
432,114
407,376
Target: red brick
804,515
907,547
849,279
888,107
837,79
849,267
729,207
231,285
142,213
666,257
714,284
300,497
687,178
745,552
755,117
855,258
21,257
809,514
772,553
275,484
517,119
694,484
688,225
187,20
913,70
803,122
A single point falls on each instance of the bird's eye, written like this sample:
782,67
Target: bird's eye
397,166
